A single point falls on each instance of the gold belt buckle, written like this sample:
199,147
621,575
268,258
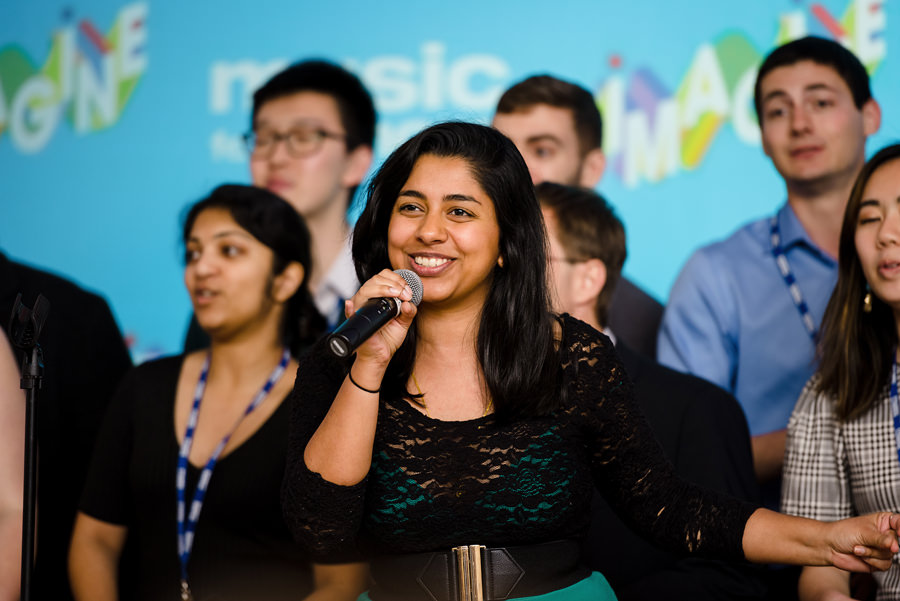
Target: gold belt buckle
469,572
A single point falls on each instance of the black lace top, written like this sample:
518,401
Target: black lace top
437,484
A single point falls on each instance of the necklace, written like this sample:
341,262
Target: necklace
488,406
420,394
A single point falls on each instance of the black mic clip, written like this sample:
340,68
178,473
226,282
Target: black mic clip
25,327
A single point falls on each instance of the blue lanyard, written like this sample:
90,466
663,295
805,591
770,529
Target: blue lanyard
895,404
186,529
790,281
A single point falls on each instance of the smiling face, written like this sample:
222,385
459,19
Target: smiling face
878,234
228,274
811,128
443,227
320,181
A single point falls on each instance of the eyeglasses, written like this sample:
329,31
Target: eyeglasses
300,141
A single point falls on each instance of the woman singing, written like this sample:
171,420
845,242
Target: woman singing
460,447
190,460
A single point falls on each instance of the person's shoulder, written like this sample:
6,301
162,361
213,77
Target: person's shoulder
161,370
748,239
581,343
632,295
575,330
696,393
146,389
165,363
677,382
680,393
813,400
65,296
722,265
690,383
42,280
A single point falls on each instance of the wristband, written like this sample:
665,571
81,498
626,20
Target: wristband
355,383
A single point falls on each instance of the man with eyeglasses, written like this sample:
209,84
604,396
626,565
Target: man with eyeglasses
313,129
310,142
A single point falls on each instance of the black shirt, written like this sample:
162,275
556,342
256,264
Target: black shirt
84,359
242,548
434,484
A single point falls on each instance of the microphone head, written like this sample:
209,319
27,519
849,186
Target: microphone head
415,284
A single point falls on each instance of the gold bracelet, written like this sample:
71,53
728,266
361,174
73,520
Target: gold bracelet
355,383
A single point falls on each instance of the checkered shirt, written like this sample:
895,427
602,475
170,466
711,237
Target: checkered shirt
834,469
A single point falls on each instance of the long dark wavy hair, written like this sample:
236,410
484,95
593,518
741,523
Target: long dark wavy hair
856,348
515,341
275,223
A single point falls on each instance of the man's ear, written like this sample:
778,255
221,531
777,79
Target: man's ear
591,276
286,283
358,162
871,112
592,168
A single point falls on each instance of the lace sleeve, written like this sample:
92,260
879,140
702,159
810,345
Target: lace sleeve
322,516
629,466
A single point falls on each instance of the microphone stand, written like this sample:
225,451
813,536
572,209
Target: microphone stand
24,329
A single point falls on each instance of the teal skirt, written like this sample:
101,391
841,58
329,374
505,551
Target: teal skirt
593,588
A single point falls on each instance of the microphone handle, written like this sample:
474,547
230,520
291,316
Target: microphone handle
360,326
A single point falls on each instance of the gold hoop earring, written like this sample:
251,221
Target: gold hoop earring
867,301
500,262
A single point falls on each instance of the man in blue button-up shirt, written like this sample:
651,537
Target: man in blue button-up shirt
744,311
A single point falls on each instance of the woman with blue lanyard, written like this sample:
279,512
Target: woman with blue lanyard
460,447
843,446
188,467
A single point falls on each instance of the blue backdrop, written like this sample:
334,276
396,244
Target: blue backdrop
114,115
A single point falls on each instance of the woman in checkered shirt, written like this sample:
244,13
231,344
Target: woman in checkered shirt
843,447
